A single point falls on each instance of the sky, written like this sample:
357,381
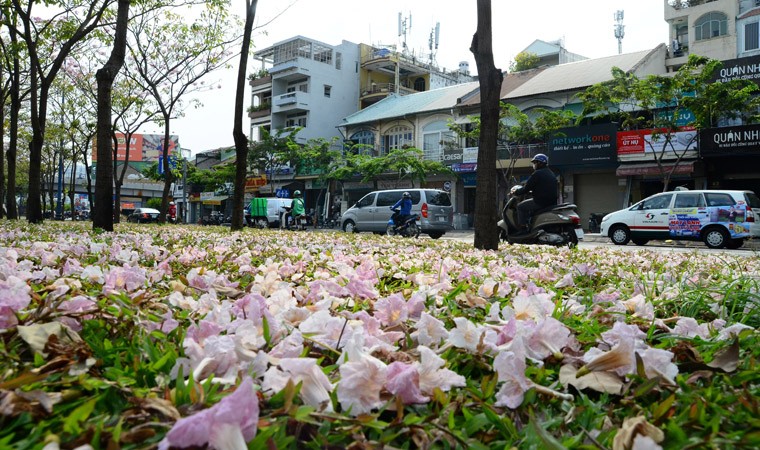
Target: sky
585,26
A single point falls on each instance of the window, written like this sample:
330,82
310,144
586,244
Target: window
296,120
690,200
438,198
719,199
365,138
367,200
327,91
711,25
299,85
396,138
751,34
391,197
338,60
658,202
419,84
435,136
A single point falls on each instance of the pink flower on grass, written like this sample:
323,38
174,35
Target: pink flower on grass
548,338
14,296
530,307
124,278
392,310
468,336
315,387
223,426
404,382
433,375
430,331
510,368
362,379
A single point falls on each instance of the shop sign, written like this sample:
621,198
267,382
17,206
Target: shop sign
463,168
595,144
743,140
394,184
644,141
739,69
466,155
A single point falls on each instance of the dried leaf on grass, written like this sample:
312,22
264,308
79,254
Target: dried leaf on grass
632,427
598,381
726,359
37,335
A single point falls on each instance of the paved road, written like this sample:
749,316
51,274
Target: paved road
591,240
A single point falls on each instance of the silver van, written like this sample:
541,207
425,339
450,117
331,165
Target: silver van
371,212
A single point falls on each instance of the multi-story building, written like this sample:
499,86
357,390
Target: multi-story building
309,84
384,71
729,31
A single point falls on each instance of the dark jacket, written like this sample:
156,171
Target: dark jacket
543,184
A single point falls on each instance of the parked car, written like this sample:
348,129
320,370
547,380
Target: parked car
371,212
143,215
719,218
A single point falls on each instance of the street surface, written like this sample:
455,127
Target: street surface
592,240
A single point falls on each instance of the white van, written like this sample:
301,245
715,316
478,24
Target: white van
719,218
273,215
371,212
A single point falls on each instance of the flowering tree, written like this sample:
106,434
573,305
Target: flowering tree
168,57
48,44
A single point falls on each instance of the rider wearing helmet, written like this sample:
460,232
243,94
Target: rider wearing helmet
542,183
298,206
404,204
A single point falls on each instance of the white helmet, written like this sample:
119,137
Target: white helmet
171,203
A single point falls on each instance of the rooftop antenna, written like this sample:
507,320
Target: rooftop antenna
433,41
619,29
404,27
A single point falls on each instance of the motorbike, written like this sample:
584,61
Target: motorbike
407,229
298,222
558,225
216,218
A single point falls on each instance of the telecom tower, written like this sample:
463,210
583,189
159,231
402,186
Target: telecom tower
404,27
433,42
619,29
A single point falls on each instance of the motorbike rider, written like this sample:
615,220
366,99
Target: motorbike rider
543,185
404,204
297,208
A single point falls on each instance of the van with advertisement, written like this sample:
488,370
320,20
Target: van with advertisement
266,212
719,218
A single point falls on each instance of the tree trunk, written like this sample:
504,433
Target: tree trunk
168,175
486,204
2,159
103,211
241,141
38,114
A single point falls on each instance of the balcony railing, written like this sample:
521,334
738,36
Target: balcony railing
385,88
683,4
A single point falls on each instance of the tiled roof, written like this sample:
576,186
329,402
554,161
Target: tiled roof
578,75
510,82
399,105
